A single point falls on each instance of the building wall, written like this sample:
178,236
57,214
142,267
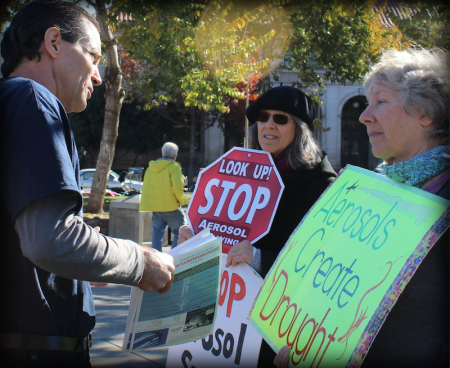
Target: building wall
214,142
334,98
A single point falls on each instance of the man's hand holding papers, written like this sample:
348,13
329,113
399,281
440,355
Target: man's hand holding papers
188,310
158,271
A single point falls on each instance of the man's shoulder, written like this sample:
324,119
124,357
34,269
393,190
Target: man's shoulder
13,88
175,167
162,164
23,97
12,85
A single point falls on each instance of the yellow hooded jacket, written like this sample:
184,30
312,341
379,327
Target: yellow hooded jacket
163,186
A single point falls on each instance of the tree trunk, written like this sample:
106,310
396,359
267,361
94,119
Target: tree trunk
114,96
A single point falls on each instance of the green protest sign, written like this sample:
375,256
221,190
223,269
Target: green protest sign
344,267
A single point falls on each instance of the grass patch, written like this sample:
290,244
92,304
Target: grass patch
186,199
106,203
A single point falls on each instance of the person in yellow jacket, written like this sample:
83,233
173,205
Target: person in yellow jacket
162,193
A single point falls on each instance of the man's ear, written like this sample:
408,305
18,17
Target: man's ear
52,42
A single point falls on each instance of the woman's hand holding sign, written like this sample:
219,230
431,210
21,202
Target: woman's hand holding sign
184,234
242,252
282,358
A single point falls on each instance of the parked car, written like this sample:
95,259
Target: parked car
87,176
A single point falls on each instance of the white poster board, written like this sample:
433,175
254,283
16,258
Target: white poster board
234,342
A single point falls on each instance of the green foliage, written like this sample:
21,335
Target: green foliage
229,39
234,120
155,36
317,123
8,8
201,52
196,51
426,24
340,37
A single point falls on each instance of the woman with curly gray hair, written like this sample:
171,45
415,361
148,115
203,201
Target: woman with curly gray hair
408,110
407,121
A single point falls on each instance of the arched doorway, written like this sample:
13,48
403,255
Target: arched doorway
354,138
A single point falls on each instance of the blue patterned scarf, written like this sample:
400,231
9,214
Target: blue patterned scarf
420,168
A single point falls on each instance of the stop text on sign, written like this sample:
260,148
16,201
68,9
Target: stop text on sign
236,196
234,212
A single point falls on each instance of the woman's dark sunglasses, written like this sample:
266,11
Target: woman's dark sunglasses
263,117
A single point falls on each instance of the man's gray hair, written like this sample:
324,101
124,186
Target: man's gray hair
423,78
169,150
303,152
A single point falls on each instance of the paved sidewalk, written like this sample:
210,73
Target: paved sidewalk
111,306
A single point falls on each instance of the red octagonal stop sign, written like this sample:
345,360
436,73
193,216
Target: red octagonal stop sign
236,197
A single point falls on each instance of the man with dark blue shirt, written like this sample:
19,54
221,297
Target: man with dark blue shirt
51,52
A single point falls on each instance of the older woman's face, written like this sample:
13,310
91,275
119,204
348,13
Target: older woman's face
395,135
274,138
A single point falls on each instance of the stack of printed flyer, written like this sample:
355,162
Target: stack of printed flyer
185,313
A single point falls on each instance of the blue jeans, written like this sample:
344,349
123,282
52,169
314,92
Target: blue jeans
174,219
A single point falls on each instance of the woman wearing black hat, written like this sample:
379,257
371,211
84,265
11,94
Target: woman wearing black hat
281,121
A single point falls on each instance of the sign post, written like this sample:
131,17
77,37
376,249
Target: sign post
236,197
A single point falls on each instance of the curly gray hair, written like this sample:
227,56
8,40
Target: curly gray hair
423,78
303,152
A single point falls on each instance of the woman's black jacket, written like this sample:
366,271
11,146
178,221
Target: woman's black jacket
301,191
